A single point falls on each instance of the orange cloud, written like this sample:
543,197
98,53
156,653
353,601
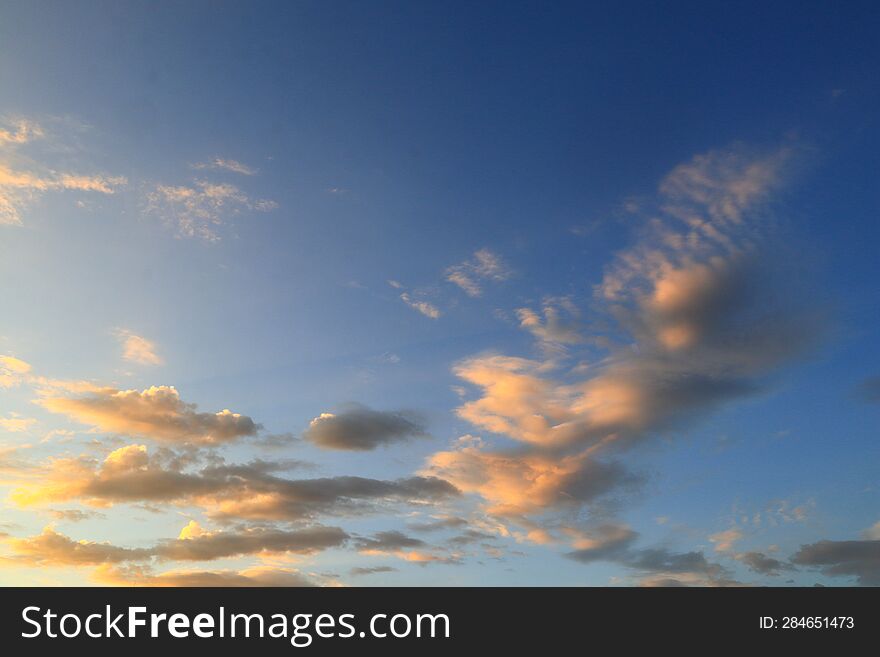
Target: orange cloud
156,413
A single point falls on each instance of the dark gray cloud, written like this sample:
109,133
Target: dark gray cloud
362,429
762,564
606,542
658,566
388,541
438,524
471,536
360,571
53,548
219,545
859,559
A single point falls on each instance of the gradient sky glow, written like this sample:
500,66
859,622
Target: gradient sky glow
439,293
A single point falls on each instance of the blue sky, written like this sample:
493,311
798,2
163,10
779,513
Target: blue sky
579,294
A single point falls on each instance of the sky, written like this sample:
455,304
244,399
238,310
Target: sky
429,294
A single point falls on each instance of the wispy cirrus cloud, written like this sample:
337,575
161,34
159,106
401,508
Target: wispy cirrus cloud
425,307
23,180
470,275
200,209
225,164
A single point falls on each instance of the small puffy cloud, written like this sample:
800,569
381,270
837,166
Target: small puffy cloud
137,349
725,540
762,564
224,164
199,210
424,307
601,543
362,429
484,266
156,413
12,371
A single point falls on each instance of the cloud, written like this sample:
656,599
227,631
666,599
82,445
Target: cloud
387,541
137,349
12,371
859,559
249,491
15,423
484,266
603,543
689,318
227,165
553,328
196,544
424,307
516,484
762,564
399,545
73,515
450,522
257,576
156,413
53,549
199,210
359,571
655,566
362,429
724,540
20,131
22,181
